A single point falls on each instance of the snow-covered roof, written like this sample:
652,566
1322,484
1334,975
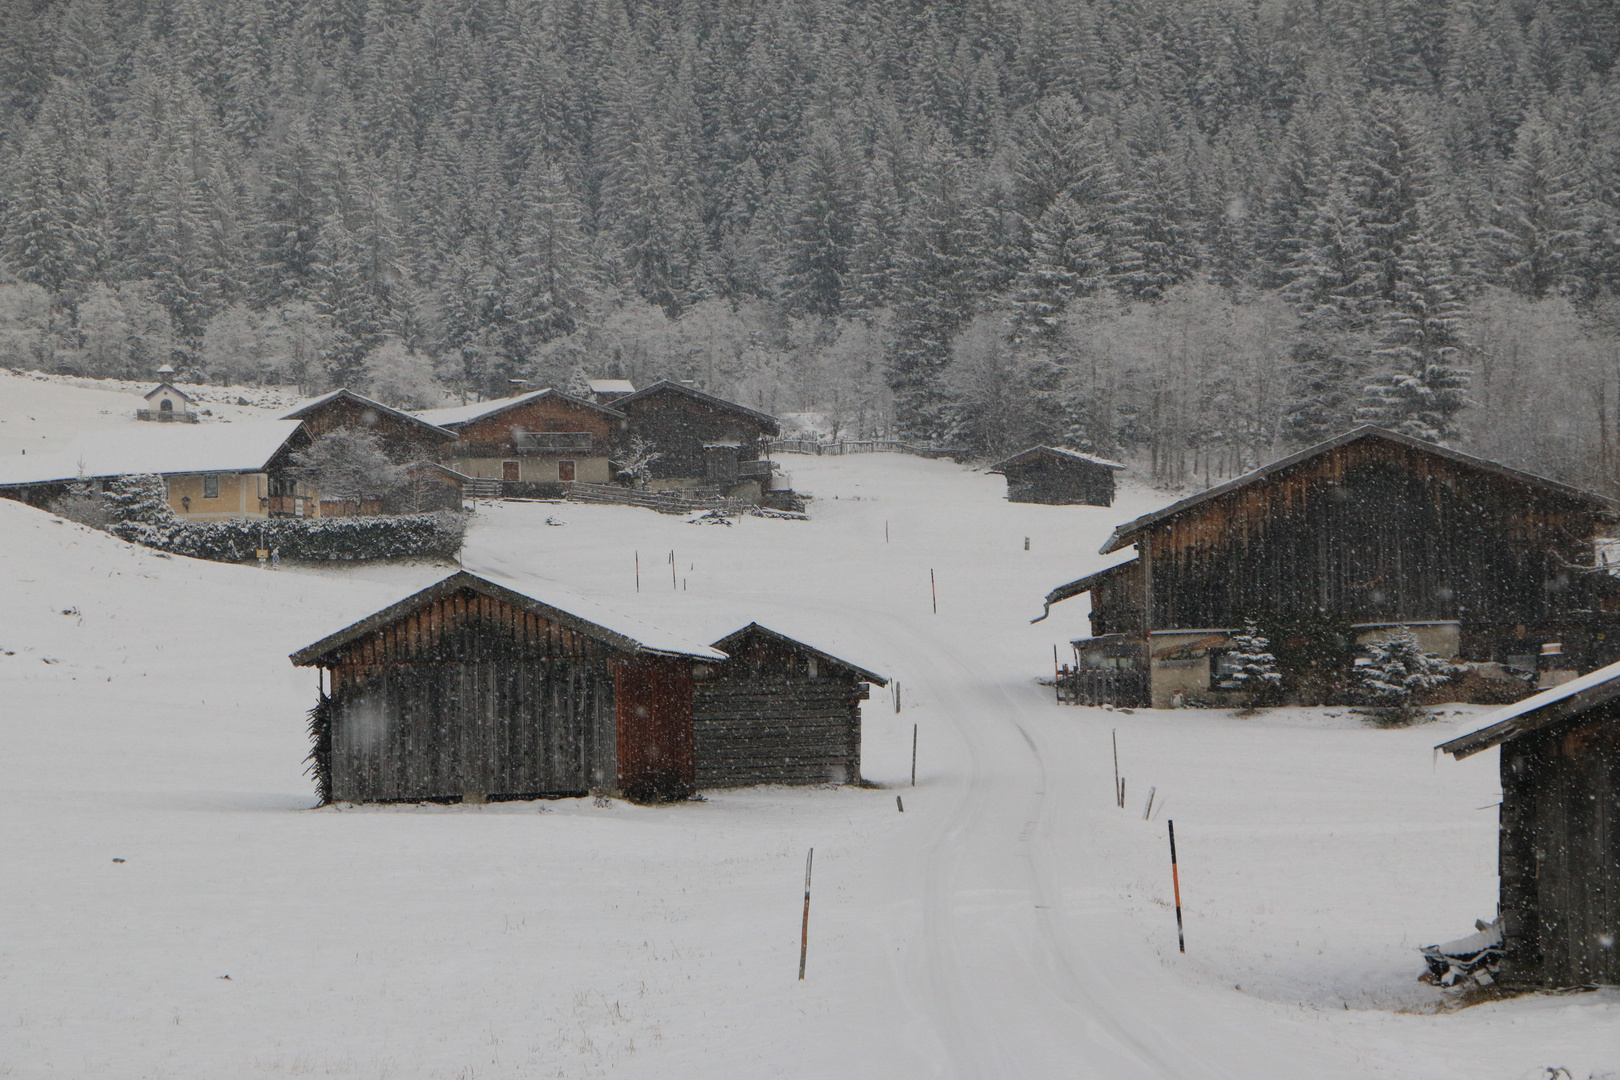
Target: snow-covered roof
458,415
1058,451
736,638
611,386
170,387
1125,534
1538,711
166,449
1081,585
310,407
584,616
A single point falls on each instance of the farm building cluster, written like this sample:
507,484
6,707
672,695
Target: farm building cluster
669,436
474,689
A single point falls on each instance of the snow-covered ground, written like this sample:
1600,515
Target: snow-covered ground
1012,922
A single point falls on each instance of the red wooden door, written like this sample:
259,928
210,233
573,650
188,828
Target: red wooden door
509,470
565,470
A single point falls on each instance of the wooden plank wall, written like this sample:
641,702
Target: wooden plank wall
654,722
470,697
1372,532
1560,853
678,427
1061,483
757,731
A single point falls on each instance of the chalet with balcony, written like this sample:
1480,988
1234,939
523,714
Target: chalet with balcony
1331,548
702,441
533,443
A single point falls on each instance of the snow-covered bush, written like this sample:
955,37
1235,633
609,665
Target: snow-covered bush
1395,675
436,535
84,504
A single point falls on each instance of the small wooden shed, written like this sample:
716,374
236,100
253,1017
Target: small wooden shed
475,690
1058,476
1559,835
778,712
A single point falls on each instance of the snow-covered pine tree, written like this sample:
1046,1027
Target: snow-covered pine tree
140,499
820,228
1396,673
1534,234
1254,667
1069,258
1422,339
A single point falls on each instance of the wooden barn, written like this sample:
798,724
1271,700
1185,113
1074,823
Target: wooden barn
403,437
1338,544
473,690
533,443
702,441
777,712
1559,839
1058,476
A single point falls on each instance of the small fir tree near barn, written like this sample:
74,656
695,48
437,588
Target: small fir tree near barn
1250,667
1396,674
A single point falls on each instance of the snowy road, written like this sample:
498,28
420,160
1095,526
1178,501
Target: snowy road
1011,923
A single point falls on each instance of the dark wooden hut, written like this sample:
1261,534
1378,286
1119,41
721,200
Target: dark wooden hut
1058,476
473,690
1353,536
702,441
404,438
778,712
1559,835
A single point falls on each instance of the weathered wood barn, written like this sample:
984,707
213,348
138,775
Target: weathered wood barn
474,690
777,712
702,441
1348,539
533,443
1559,837
404,438
1057,475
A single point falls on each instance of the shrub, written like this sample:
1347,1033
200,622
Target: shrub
1396,674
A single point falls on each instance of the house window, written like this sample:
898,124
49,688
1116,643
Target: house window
565,470
210,485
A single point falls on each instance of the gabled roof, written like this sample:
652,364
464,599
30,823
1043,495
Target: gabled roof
731,641
173,389
583,616
1122,535
461,415
1062,453
243,446
1538,711
306,410
665,386
1085,584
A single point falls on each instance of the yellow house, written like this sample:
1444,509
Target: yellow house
213,472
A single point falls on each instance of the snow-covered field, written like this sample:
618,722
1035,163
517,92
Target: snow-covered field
1012,922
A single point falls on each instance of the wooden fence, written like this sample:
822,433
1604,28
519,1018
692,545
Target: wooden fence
1103,686
862,446
665,502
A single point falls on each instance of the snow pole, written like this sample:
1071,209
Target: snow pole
804,930
638,571
934,589
899,804
1119,785
1175,877
1147,810
913,755
885,532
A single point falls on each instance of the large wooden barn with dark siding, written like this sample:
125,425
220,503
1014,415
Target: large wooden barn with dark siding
1559,836
702,441
1058,476
473,690
1363,532
778,712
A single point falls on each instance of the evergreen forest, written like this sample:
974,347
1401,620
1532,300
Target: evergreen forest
1197,234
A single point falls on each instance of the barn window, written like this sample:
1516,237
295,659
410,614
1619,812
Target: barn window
210,485
810,668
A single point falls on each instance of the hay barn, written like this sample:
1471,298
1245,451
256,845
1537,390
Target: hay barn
1559,846
1058,476
473,690
777,712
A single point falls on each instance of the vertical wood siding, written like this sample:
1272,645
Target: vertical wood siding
654,719
1371,532
469,696
1560,853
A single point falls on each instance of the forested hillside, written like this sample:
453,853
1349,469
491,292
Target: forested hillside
1193,231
